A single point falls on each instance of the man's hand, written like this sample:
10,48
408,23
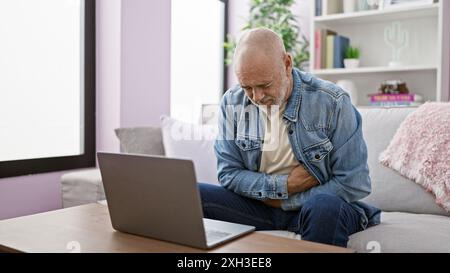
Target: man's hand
299,180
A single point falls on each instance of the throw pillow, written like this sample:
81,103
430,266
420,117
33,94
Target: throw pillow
194,142
144,140
420,150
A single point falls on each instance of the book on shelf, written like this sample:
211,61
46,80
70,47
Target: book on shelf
317,49
320,47
395,100
318,6
331,7
340,45
329,48
392,97
330,52
395,104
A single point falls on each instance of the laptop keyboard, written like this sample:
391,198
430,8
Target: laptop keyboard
214,235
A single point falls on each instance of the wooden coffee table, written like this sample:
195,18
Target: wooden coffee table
88,229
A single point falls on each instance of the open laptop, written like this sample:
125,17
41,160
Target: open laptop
158,197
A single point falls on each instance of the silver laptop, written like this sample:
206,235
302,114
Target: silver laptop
158,197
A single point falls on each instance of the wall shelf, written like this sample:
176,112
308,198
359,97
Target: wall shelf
362,70
370,16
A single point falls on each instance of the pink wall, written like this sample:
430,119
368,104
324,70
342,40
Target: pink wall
133,81
29,194
108,73
145,62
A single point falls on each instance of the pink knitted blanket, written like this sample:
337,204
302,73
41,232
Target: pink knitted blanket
420,150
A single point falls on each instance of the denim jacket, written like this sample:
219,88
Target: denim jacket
325,132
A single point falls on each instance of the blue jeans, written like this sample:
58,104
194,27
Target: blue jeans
324,218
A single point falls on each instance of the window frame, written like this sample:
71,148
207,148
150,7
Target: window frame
87,159
225,37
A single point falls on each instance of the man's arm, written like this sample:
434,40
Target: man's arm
299,180
231,169
350,174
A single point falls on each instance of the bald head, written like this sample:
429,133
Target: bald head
260,44
263,67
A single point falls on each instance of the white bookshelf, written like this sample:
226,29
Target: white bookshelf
390,14
426,63
381,69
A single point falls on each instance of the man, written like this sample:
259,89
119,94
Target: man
291,154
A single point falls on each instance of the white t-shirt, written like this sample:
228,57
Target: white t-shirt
277,154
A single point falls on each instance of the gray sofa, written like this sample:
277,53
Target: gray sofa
411,220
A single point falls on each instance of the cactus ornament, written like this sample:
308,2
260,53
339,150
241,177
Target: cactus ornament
398,39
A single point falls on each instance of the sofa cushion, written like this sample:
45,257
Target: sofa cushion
82,187
390,190
397,233
140,140
420,150
194,142
405,233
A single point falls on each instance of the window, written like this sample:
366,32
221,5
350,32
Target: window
47,85
197,56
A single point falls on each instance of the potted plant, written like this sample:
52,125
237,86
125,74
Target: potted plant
351,59
276,15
